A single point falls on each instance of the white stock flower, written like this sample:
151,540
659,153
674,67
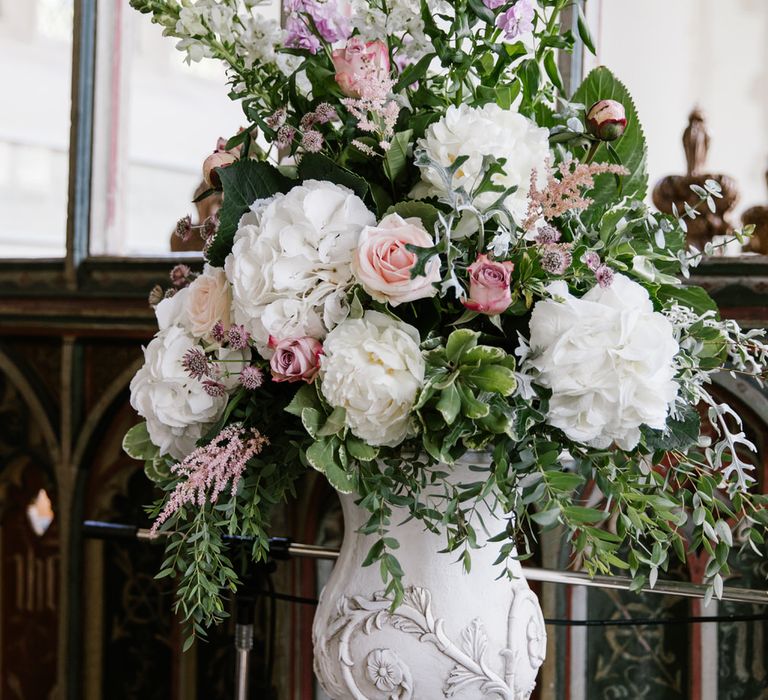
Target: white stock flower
290,262
373,368
608,359
477,132
176,407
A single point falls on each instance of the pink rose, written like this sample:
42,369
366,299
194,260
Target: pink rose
382,264
359,62
209,300
489,291
217,159
295,359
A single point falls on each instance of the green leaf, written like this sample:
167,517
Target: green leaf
396,159
471,407
243,183
335,424
361,450
546,518
495,378
157,470
601,84
584,33
306,397
311,419
316,166
581,514
449,404
680,434
137,445
419,210
482,355
482,11
413,73
550,66
459,342
322,456
691,296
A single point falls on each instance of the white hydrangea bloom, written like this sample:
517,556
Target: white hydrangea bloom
609,360
290,265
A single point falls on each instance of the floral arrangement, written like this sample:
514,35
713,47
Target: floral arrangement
425,249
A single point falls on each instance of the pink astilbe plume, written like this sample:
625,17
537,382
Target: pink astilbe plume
567,193
205,473
375,111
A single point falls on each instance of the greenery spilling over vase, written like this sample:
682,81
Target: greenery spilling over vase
426,248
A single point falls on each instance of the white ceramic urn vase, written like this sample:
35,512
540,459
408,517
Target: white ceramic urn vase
456,635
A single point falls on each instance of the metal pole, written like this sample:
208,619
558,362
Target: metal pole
568,578
243,646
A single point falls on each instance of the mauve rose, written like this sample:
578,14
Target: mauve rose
360,60
607,120
217,159
382,263
489,291
295,359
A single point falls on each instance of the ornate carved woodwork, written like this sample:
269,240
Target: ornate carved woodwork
676,189
758,217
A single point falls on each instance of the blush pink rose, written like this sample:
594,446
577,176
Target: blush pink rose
295,359
489,291
209,300
360,62
382,264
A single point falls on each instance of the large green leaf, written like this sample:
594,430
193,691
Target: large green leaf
243,183
601,84
315,166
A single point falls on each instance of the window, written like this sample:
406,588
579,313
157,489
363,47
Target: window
34,126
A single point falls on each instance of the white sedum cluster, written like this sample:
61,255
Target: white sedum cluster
402,19
373,368
290,265
254,37
477,132
609,360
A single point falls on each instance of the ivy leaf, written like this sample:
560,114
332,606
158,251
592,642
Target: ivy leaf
680,434
631,148
243,183
137,444
322,456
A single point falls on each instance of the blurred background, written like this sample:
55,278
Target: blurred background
103,130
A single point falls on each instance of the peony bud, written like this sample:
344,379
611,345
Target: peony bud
607,120
489,291
295,359
359,63
217,159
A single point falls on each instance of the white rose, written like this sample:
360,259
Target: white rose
373,368
209,300
477,132
172,311
608,359
290,262
176,407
